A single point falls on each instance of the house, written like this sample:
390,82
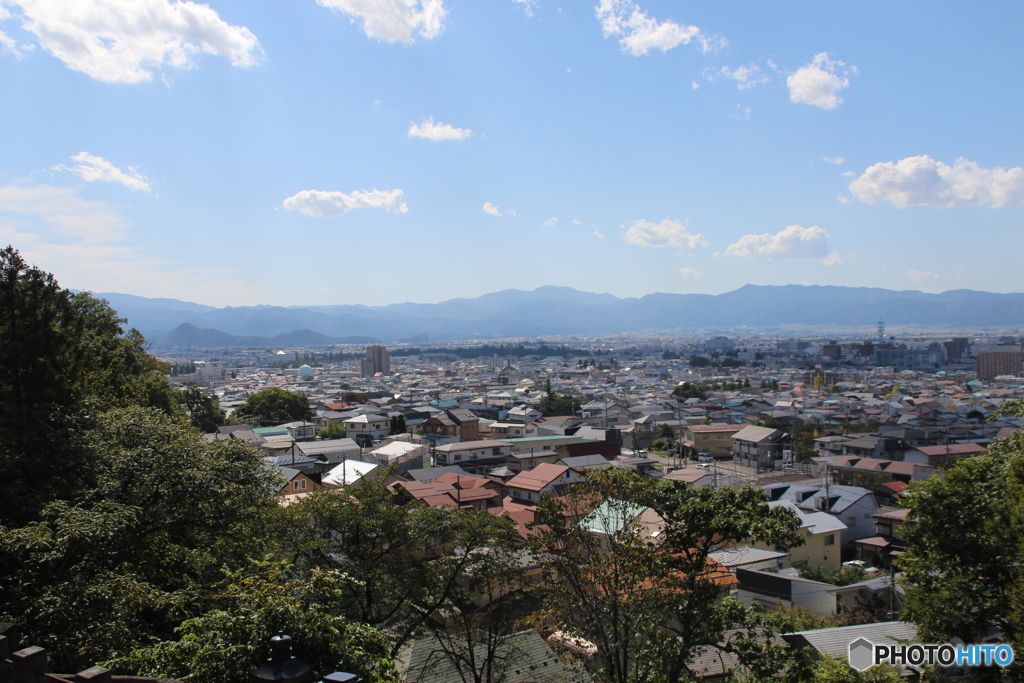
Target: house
880,595
512,430
821,534
758,447
543,480
376,427
749,557
302,430
452,490
524,413
348,472
835,642
853,505
889,540
787,590
943,456
473,456
714,439
296,481
467,423
877,446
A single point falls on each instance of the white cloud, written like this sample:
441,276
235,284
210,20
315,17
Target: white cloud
694,85
819,82
528,6
124,41
59,211
922,181
833,259
576,222
90,168
667,233
640,33
82,242
394,21
319,204
491,209
438,131
922,276
838,161
746,77
551,221
793,242
597,234
690,273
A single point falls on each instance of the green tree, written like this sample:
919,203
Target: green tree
225,643
334,431
402,558
962,566
273,406
646,602
398,424
143,543
63,358
686,390
203,410
831,670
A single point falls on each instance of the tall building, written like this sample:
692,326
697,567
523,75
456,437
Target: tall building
378,359
1004,359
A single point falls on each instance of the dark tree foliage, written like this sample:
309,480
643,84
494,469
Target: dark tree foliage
142,543
203,410
402,558
63,358
273,406
647,601
963,564
397,424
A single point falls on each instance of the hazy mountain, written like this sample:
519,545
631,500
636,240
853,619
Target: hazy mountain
565,311
187,334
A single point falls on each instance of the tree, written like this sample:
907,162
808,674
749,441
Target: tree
831,670
666,432
479,642
647,602
398,424
203,410
142,545
230,639
962,566
63,358
686,390
334,431
274,406
402,558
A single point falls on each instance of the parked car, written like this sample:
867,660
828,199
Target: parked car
705,457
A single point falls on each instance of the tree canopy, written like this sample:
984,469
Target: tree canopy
273,406
646,599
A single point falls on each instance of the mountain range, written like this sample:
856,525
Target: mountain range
562,311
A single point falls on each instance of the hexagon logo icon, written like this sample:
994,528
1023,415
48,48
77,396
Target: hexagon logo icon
861,651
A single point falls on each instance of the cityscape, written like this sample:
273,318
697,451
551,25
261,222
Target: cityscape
511,341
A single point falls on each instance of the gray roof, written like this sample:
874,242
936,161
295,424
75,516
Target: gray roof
734,557
429,474
584,461
757,434
839,497
835,642
424,661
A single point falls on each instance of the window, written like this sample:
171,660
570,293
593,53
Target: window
830,539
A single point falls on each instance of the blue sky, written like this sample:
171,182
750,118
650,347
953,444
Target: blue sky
377,151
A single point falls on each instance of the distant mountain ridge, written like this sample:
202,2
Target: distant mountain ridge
562,311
